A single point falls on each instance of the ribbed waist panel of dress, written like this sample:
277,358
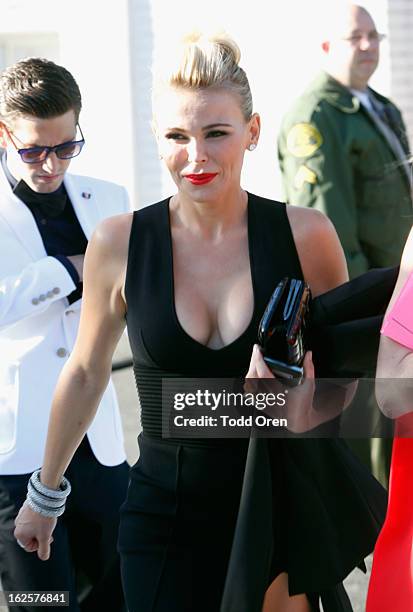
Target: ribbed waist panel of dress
202,480
149,387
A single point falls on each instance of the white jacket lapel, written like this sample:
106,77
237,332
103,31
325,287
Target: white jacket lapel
20,220
84,202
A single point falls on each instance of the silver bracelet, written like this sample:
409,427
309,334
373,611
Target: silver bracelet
45,511
44,500
38,498
61,493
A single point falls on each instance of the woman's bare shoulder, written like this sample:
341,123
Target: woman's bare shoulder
406,268
111,236
114,230
407,257
308,223
319,249
107,252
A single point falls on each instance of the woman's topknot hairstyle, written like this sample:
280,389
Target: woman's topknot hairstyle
204,62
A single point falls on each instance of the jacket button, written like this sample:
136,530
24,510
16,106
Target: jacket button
68,312
35,301
61,352
49,294
42,297
56,290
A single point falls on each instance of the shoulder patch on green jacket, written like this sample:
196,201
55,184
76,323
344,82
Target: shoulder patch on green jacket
304,175
303,140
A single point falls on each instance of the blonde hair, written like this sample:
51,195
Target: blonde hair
205,61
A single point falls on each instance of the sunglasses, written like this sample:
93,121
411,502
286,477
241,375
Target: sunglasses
34,155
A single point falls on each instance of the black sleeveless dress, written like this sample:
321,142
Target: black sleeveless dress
208,524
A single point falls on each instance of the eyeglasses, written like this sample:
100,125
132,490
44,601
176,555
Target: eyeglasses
372,37
34,155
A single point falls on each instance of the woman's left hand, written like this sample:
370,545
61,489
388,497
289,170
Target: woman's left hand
298,408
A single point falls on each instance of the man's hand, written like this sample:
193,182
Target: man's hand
77,261
33,531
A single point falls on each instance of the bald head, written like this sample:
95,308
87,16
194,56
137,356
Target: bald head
351,46
337,16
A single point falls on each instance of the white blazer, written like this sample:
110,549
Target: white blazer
38,327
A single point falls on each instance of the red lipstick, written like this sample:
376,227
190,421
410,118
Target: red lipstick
200,179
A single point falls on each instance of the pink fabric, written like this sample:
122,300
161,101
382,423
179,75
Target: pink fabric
391,581
398,323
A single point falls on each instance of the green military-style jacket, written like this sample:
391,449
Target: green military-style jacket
333,157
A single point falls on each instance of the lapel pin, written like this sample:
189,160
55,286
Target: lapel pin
86,195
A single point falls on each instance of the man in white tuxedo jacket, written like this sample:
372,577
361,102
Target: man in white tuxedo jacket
46,218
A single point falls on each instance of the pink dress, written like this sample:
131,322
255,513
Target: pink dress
391,582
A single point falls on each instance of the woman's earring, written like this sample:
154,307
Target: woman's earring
252,146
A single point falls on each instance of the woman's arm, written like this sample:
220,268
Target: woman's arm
319,249
395,361
86,373
324,267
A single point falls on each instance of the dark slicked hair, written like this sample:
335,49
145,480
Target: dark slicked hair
39,88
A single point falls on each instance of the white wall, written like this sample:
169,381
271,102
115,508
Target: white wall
94,46
279,53
401,28
91,39
109,45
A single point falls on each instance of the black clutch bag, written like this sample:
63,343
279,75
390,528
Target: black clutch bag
282,330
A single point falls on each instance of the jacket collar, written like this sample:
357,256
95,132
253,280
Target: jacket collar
21,221
329,89
49,204
83,198
336,94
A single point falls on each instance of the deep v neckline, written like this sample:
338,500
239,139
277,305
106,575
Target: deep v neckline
182,331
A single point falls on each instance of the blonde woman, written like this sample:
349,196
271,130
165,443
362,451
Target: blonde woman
191,275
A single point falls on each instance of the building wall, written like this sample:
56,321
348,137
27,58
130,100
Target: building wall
110,47
280,52
148,169
92,40
400,19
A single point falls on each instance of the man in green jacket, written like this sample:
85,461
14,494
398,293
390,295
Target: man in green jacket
343,149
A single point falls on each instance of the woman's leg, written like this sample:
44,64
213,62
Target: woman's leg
277,598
